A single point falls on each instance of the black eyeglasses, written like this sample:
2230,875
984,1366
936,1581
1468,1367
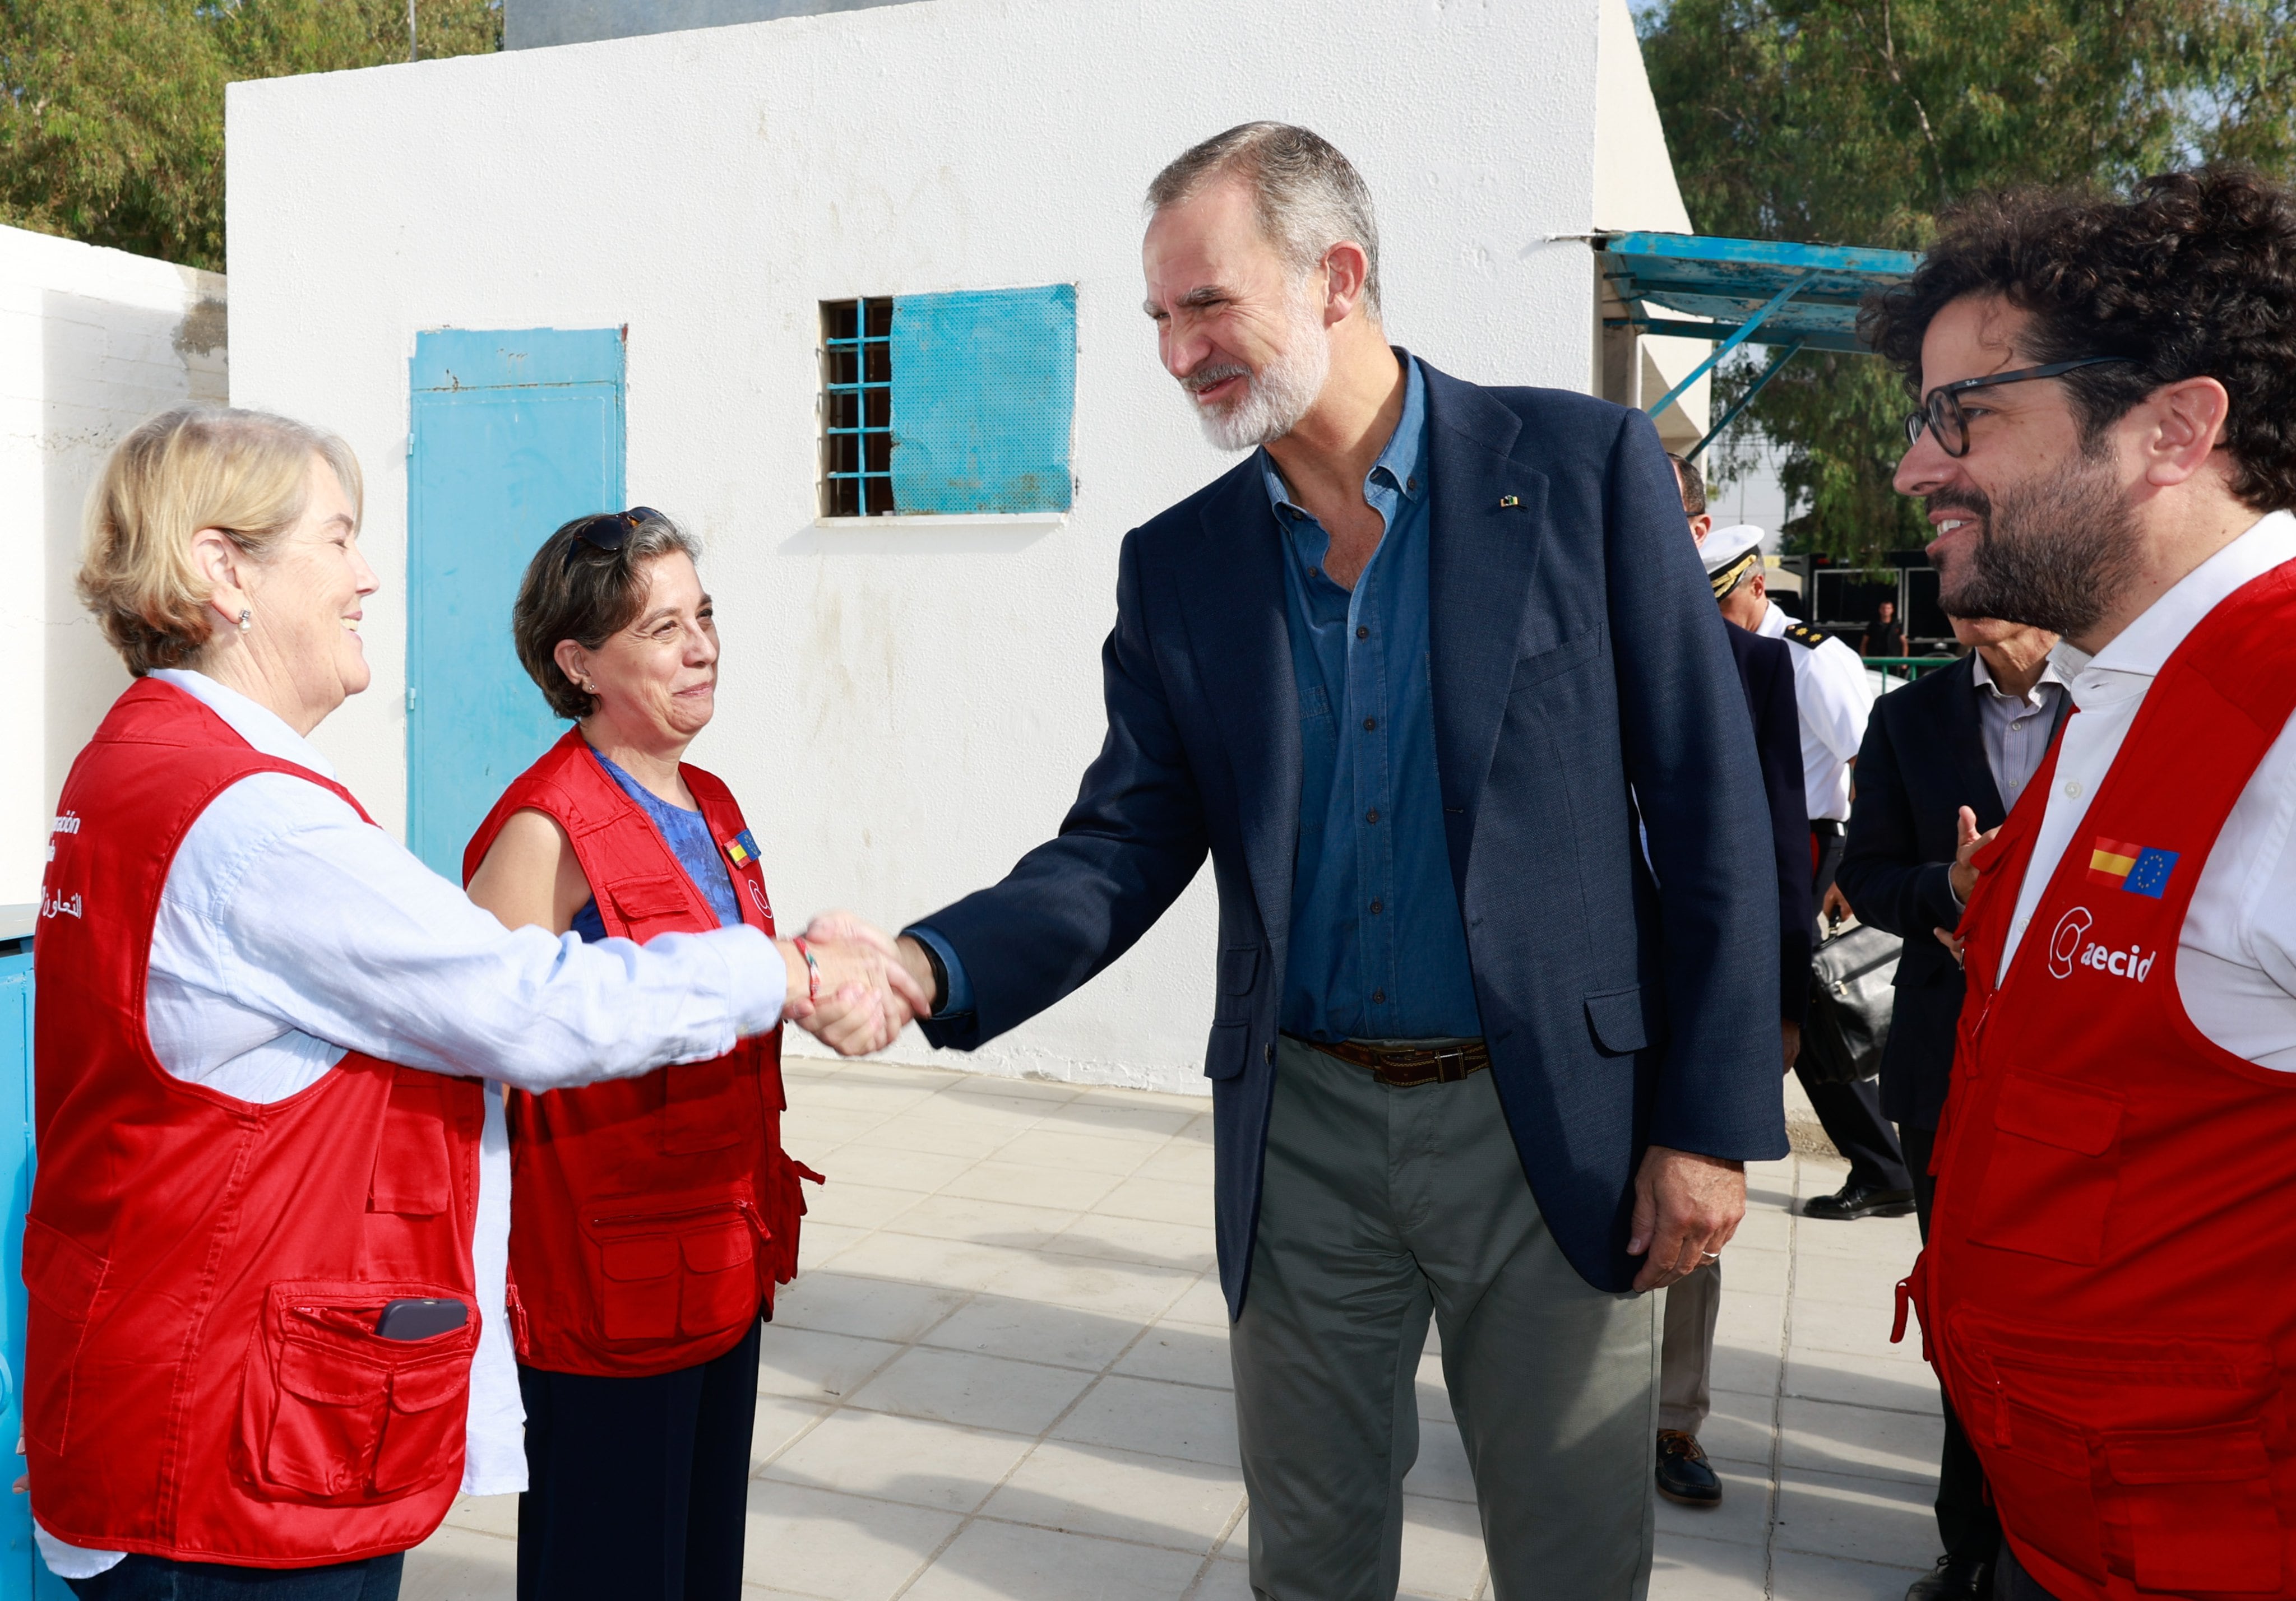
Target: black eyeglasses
1941,411
609,530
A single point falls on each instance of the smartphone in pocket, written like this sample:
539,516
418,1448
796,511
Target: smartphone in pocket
419,1318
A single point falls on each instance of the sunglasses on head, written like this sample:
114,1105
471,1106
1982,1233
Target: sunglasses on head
609,531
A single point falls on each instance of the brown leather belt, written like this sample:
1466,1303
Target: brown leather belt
1401,1069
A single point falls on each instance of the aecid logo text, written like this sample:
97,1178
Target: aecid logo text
2070,947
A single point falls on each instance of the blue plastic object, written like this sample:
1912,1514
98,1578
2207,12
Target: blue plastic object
23,1576
984,400
1733,281
513,433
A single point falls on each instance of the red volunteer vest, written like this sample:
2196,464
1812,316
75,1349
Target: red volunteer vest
2105,1292
202,1379
650,1216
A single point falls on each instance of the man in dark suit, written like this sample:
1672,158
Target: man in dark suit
1766,674
1422,674
1944,758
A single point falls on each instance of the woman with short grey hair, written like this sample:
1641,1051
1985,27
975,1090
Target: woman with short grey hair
650,1217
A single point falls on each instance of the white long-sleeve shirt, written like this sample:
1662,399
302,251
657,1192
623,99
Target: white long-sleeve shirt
2237,953
1833,700
291,932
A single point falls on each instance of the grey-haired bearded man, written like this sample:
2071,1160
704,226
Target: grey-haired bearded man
1419,674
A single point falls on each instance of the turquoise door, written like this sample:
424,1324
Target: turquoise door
22,1574
512,435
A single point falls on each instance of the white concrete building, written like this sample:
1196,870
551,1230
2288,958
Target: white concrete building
907,699
91,342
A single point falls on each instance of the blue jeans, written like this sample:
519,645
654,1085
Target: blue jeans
157,1579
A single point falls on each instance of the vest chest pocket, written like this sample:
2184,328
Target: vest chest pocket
413,1159
334,1415
648,905
682,1273
711,1105
2053,1169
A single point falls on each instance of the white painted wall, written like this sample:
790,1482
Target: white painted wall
91,342
906,708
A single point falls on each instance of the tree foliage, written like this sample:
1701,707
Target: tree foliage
111,111
1857,121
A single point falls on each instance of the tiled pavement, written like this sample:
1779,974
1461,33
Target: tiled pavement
1004,1374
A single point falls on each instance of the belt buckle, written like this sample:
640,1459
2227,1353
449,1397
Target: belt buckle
1450,1066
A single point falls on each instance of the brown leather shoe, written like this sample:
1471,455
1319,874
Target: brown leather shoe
1683,1474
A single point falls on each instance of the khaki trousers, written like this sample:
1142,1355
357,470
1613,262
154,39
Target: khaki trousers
1383,1208
1685,1365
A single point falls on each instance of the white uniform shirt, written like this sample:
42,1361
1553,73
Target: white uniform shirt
2237,953
1834,699
291,932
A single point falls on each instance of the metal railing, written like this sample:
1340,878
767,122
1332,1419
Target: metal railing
1910,666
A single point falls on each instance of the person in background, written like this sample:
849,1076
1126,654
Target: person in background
267,1337
650,1217
1686,1374
1833,700
1887,636
1947,755
2101,443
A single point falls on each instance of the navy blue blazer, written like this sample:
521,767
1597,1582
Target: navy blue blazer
1922,760
1584,700
1766,674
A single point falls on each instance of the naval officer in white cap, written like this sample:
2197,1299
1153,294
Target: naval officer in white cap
1832,700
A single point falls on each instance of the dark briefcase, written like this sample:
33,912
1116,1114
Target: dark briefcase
1850,999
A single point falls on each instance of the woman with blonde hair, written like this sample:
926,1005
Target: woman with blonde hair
266,1243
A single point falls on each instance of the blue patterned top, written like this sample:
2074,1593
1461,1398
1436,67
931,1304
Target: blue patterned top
688,834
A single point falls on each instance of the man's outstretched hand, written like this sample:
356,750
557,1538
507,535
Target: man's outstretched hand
1687,1208
868,996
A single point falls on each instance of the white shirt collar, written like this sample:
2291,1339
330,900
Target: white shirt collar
1774,621
2049,674
260,726
2144,648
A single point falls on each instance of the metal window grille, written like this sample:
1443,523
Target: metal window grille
856,391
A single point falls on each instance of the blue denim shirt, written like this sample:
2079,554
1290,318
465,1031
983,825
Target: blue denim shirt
1378,947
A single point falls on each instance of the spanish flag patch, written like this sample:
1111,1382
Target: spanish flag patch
2139,870
742,850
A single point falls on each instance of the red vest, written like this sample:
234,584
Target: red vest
650,1216
2107,1292
202,1380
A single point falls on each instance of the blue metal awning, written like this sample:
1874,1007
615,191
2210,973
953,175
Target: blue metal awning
1790,297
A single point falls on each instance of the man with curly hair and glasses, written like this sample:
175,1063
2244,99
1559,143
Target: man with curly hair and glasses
2106,444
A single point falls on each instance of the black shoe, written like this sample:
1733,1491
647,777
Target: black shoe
1955,1579
1683,1474
1856,1200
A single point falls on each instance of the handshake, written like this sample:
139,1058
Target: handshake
859,988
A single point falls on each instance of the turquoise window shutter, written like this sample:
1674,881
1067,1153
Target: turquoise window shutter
984,397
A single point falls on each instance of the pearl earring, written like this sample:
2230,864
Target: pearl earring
246,619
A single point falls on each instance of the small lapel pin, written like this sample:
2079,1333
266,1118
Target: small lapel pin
1506,500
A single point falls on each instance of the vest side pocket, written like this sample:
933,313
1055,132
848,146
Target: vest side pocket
331,1414
2198,1503
2053,1170
675,1273
64,1276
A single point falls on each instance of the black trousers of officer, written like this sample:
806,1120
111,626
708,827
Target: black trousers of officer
638,1488
1851,1114
1966,1521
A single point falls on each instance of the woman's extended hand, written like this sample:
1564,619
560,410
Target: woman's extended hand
866,998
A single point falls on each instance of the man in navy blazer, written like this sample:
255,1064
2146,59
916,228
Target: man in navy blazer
1944,758
1434,678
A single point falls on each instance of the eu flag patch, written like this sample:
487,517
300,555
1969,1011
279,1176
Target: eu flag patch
742,850
2150,875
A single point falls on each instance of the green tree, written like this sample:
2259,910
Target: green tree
1857,121
112,126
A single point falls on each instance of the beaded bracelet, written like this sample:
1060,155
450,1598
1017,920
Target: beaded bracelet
812,970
